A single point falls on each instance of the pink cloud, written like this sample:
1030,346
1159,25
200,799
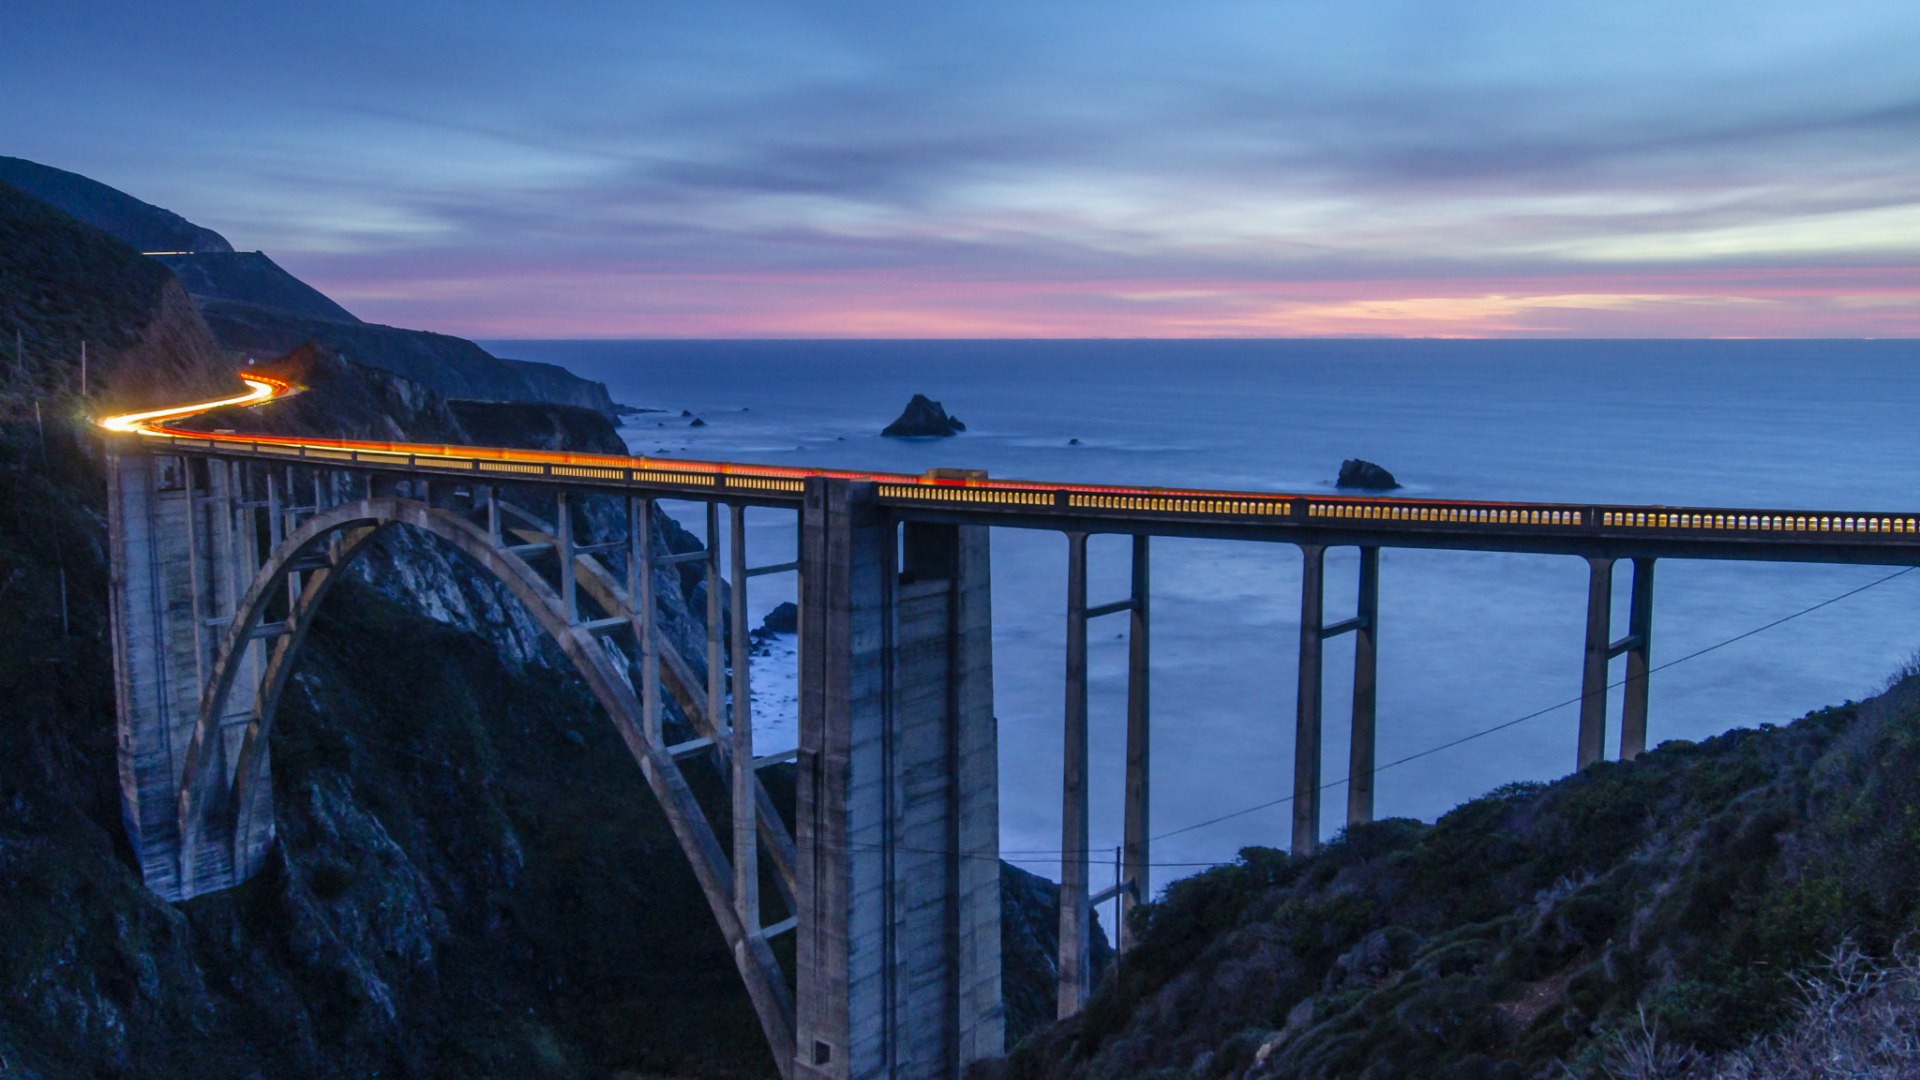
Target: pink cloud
492,302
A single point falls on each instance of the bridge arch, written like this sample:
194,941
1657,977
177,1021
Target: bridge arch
320,549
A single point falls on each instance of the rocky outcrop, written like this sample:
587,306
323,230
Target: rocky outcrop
1030,950
783,619
1365,475
924,417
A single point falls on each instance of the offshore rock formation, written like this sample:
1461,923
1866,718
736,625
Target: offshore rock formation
1356,473
924,417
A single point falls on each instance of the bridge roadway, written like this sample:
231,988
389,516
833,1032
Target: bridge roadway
1587,530
891,870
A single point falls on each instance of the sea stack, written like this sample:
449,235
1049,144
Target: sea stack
1356,473
924,417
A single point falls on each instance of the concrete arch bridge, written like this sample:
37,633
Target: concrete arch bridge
225,545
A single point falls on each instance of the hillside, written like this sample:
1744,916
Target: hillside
142,225
1541,931
450,366
64,283
249,277
253,306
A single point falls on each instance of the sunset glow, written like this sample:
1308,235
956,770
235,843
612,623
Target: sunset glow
1069,170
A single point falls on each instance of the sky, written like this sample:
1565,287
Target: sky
1292,168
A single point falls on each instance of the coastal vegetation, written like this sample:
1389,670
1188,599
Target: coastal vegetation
1678,915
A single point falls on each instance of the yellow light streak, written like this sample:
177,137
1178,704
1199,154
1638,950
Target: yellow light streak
140,421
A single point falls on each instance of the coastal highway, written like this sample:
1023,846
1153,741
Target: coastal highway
1612,531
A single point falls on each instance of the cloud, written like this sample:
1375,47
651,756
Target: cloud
1009,169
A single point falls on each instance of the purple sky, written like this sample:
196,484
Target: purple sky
1433,167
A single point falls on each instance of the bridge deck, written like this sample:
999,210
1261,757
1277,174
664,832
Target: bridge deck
1707,532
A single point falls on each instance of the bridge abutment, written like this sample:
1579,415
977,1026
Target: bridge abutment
178,541
897,813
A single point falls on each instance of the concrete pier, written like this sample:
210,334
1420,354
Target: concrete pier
1136,886
1633,708
1076,895
1360,756
1593,672
1306,728
176,569
899,901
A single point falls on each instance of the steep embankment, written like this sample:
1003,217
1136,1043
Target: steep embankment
1536,930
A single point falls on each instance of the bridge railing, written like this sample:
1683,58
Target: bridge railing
974,493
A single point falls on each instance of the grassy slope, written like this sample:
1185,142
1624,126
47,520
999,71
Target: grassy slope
1524,928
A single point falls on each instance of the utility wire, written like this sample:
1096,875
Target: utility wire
1469,737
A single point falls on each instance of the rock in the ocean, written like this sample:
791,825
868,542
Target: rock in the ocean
1355,473
924,416
784,619
697,422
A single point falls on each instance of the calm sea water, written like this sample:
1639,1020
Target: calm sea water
1466,640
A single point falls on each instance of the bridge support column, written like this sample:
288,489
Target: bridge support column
745,808
898,948
1135,859
1076,897
1306,728
1633,707
1360,747
1593,676
174,582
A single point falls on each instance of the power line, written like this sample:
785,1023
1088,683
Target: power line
1469,737
1576,699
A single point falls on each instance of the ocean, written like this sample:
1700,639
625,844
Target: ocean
1466,640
